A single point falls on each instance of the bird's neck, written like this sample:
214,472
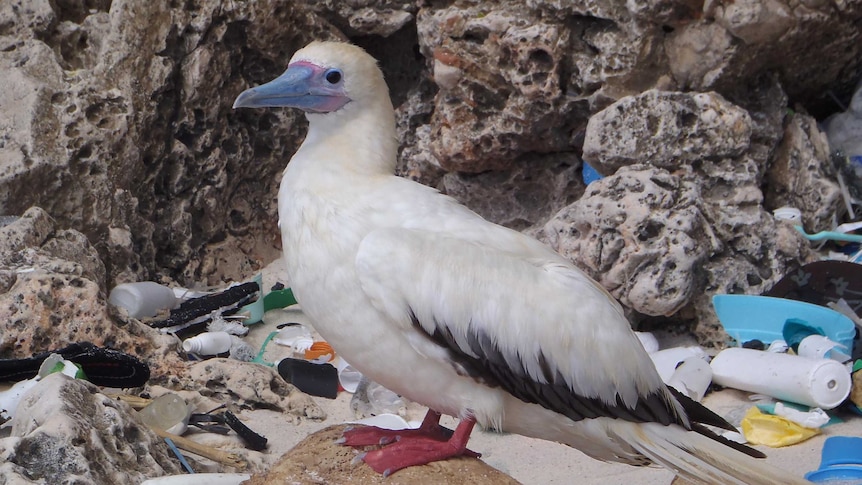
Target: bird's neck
357,142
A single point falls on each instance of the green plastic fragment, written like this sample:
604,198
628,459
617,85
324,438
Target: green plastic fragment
278,299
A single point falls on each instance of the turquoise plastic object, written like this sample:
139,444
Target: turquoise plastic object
830,235
254,309
752,317
841,459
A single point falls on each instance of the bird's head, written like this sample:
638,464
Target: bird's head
323,77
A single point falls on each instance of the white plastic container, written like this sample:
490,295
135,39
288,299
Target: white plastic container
791,214
692,377
648,340
348,377
824,383
142,299
208,343
667,360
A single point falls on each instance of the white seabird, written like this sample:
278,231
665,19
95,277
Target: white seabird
464,316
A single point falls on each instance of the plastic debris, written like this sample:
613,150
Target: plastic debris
820,347
750,317
814,418
667,360
774,431
692,377
648,340
790,214
179,455
823,383
372,399
809,341
199,311
143,299
348,377
310,378
387,421
319,352
840,461
821,283
221,324
589,174
208,343
102,366
294,335
169,412
10,398
200,479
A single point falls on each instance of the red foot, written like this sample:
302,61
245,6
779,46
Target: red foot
404,448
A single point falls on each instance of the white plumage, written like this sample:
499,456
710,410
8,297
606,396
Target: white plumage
467,317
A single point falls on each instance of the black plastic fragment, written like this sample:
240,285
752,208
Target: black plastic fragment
198,311
252,440
102,366
310,378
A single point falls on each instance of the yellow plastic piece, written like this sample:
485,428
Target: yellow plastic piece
774,431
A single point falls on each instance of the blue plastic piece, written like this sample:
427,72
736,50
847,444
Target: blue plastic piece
841,459
752,317
589,174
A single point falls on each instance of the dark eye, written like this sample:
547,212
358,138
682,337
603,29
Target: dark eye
333,76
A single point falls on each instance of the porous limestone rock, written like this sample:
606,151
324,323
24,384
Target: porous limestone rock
523,196
66,431
250,386
683,216
117,115
667,130
117,121
318,459
642,234
802,176
52,296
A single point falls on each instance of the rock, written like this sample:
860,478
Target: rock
683,217
642,234
802,176
367,17
318,459
844,129
52,296
66,431
498,72
251,386
122,118
522,197
666,130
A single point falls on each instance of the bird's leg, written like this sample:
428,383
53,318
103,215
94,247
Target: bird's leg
372,435
420,448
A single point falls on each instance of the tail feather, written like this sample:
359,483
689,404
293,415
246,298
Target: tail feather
697,458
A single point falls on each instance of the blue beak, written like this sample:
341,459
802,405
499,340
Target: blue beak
301,86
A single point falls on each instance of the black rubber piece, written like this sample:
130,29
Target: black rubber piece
102,366
310,378
196,311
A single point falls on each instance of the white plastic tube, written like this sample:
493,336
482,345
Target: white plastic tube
142,299
208,343
824,383
667,360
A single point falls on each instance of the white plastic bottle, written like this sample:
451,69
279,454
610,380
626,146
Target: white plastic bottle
208,343
142,299
824,383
